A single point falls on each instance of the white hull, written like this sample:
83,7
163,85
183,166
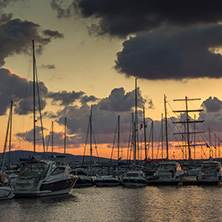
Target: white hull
6,192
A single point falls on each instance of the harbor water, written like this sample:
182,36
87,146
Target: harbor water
163,203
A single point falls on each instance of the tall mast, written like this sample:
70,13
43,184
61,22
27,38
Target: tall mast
9,125
152,138
65,136
188,130
34,121
135,124
162,134
144,130
187,122
210,152
52,136
118,135
90,135
10,136
166,128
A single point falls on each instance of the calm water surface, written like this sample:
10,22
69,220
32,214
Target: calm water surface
119,204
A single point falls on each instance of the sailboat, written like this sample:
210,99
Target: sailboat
6,190
42,177
134,178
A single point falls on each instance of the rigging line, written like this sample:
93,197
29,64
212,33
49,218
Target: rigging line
49,137
202,136
149,142
6,139
40,113
174,135
114,140
96,146
84,152
158,144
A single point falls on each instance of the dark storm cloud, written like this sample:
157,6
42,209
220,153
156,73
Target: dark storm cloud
120,101
123,17
65,98
63,10
58,140
16,88
173,55
86,99
5,18
48,66
25,106
104,113
16,36
51,33
28,135
212,105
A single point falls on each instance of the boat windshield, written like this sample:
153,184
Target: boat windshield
210,166
33,169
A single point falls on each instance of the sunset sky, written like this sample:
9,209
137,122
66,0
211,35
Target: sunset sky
89,52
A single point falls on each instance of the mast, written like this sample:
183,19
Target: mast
9,125
166,128
152,138
10,137
135,124
162,134
210,152
118,139
34,121
52,136
144,130
188,131
65,136
188,122
90,135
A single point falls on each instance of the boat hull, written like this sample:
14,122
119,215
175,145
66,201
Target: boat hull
45,188
6,192
108,183
134,183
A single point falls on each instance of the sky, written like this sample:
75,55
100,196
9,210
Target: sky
89,52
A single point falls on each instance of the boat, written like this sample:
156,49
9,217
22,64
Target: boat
134,179
83,180
210,170
169,170
106,181
6,190
43,178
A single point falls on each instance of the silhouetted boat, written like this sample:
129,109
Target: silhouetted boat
134,179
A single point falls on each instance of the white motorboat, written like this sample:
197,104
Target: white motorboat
169,171
43,178
210,170
106,181
134,179
6,190
83,180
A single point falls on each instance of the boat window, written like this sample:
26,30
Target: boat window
132,174
58,170
32,169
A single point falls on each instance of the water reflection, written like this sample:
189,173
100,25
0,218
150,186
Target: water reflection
119,204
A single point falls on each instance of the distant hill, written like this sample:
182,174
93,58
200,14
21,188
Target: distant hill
15,157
